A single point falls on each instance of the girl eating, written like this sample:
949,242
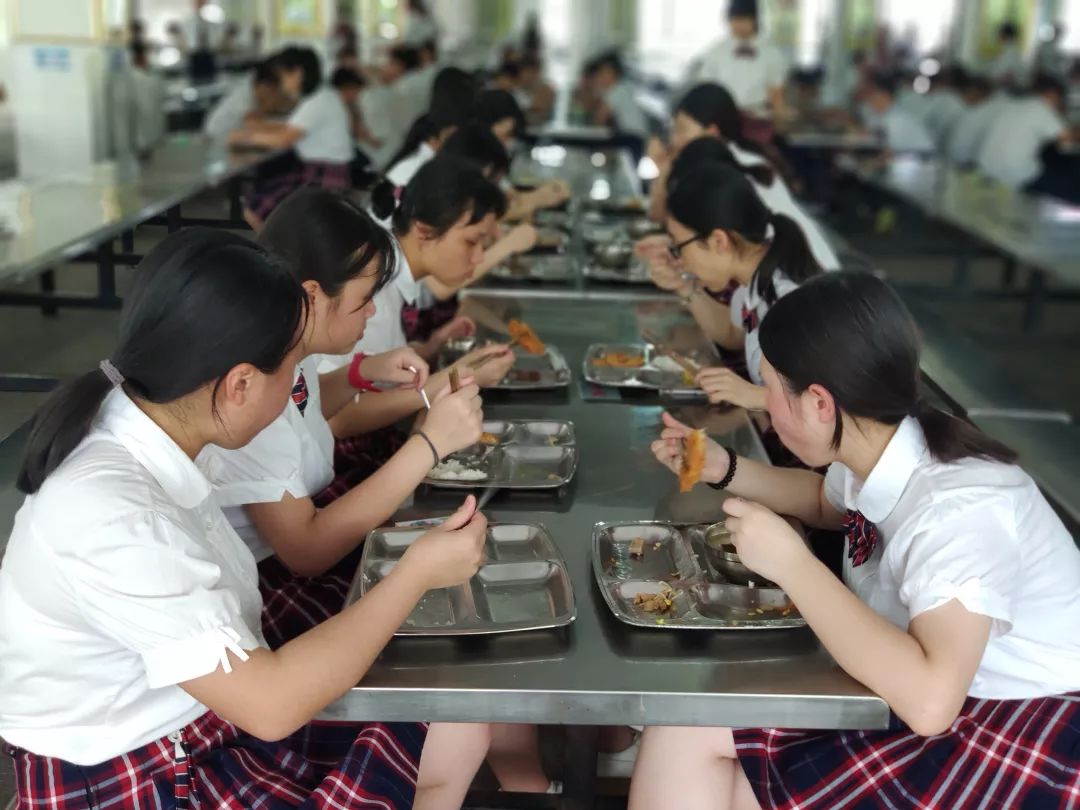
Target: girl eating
959,599
132,668
277,489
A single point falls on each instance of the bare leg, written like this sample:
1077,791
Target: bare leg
253,219
453,753
693,764
515,758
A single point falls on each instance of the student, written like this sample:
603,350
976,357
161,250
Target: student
901,129
745,63
273,489
420,25
505,77
318,130
619,108
945,104
965,140
148,92
132,667
721,232
1050,59
389,111
418,85
1011,151
427,135
1007,68
255,97
960,592
535,95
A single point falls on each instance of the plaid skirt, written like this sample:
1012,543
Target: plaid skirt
292,604
267,191
216,766
998,754
419,324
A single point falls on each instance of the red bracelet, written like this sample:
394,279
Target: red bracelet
358,380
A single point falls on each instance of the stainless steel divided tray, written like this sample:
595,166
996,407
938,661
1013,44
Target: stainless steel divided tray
523,585
634,273
536,371
535,267
517,454
658,372
674,556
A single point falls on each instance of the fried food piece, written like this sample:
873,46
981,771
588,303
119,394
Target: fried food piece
693,460
490,439
619,360
526,338
656,602
637,548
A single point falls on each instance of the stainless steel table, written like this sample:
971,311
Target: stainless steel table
600,671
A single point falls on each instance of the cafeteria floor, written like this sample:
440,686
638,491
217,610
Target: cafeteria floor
76,340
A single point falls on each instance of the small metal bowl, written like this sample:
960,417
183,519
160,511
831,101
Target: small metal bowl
640,228
456,348
615,255
724,561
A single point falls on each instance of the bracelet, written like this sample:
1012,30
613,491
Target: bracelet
358,380
725,482
431,444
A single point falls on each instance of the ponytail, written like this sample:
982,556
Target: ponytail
420,131
444,190
851,334
59,426
951,439
190,318
788,251
384,199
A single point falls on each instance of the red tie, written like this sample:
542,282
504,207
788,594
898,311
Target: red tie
299,393
862,537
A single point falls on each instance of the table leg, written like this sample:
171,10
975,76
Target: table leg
47,281
173,221
127,241
106,263
1008,272
579,776
1035,301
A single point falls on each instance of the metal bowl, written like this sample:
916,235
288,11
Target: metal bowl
640,228
456,348
615,255
724,561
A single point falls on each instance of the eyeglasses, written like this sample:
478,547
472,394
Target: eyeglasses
677,249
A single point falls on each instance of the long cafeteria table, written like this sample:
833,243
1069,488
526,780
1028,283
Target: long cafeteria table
1039,233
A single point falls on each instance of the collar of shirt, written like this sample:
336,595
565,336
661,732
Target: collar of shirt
407,285
887,481
154,450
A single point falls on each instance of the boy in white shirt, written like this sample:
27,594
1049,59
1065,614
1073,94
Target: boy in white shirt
965,139
619,108
1007,68
903,130
1011,151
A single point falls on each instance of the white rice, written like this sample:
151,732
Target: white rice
453,470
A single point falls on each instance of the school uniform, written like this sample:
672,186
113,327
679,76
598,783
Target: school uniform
748,309
904,131
405,169
386,113
325,151
228,114
415,88
1008,66
1010,152
748,69
148,95
778,198
943,109
627,115
920,533
123,579
966,138
419,28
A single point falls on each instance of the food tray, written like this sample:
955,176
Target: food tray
658,373
618,206
535,267
523,585
635,273
701,598
550,240
531,372
530,454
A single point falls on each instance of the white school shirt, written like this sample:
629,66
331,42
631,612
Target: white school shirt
778,198
415,88
979,532
327,135
905,131
122,579
943,109
293,454
966,138
228,114
748,79
1010,152
628,116
148,92
384,112
1010,62
406,168
384,331
746,302
419,28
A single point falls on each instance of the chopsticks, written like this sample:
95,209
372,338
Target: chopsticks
687,365
475,364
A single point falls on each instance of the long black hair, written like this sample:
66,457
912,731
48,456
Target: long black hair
710,104
442,192
705,150
307,60
718,197
850,333
493,106
204,301
326,238
478,144
453,99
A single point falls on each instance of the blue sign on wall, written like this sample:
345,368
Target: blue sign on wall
53,58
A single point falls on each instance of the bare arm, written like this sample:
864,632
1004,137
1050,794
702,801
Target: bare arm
277,136
714,318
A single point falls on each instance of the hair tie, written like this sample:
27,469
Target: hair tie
399,191
112,374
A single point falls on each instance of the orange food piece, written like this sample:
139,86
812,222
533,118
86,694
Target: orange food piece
619,360
489,439
693,460
526,338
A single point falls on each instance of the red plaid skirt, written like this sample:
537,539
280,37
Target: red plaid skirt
293,605
216,766
998,754
419,324
267,192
